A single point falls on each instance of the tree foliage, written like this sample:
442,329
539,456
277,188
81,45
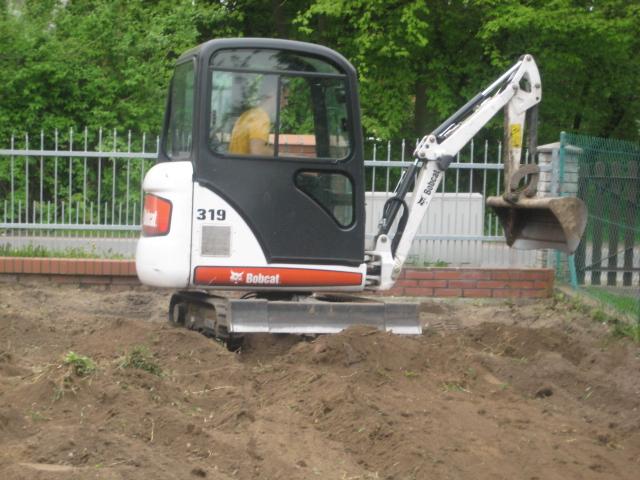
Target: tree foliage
384,39
587,52
93,63
77,63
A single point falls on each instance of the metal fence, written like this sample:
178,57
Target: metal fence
605,173
83,190
64,184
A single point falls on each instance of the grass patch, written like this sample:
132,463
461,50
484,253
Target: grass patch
38,251
81,365
626,305
630,330
436,264
454,387
140,357
600,316
37,416
623,303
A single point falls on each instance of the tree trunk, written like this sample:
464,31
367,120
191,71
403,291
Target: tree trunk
420,108
281,29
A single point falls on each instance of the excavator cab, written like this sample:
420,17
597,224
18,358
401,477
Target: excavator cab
260,170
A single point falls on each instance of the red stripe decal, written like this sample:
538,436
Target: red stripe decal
276,277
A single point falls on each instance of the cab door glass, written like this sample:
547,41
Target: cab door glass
335,95
332,191
243,113
270,103
313,118
296,123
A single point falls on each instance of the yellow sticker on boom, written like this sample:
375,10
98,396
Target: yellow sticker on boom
515,134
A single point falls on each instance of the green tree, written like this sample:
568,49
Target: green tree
95,63
385,40
260,18
91,63
587,52
108,62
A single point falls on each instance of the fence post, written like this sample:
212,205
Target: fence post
632,195
580,255
561,180
547,186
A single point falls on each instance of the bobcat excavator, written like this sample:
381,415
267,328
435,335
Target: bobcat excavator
260,185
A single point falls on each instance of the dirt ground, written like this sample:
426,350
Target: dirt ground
531,390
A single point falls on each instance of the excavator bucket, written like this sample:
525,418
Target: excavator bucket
533,223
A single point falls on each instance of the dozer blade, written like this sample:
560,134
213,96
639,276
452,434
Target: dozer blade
533,223
229,319
318,316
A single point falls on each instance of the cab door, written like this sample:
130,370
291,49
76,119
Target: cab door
281,144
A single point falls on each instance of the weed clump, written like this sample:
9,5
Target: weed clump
81,365
142,359
630,330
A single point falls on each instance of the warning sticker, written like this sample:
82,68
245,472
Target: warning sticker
515,135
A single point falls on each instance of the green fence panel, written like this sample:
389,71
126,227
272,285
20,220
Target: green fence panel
605,174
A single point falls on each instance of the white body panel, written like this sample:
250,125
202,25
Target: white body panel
234,259
163,261
244,247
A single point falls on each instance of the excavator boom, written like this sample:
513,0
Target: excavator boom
529,222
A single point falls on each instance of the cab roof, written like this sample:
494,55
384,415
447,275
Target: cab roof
204,50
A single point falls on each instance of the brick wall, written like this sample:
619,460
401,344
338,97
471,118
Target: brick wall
474,282
69,270
414,282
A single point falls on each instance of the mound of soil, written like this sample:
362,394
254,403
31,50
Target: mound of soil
491,390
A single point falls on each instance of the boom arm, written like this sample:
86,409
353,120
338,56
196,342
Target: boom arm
518,89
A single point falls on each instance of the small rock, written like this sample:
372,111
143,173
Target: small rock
544,392
199,472
319,348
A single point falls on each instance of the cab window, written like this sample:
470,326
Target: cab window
332,191
271,103
179,128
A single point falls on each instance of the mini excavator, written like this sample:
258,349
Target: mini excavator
259,188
